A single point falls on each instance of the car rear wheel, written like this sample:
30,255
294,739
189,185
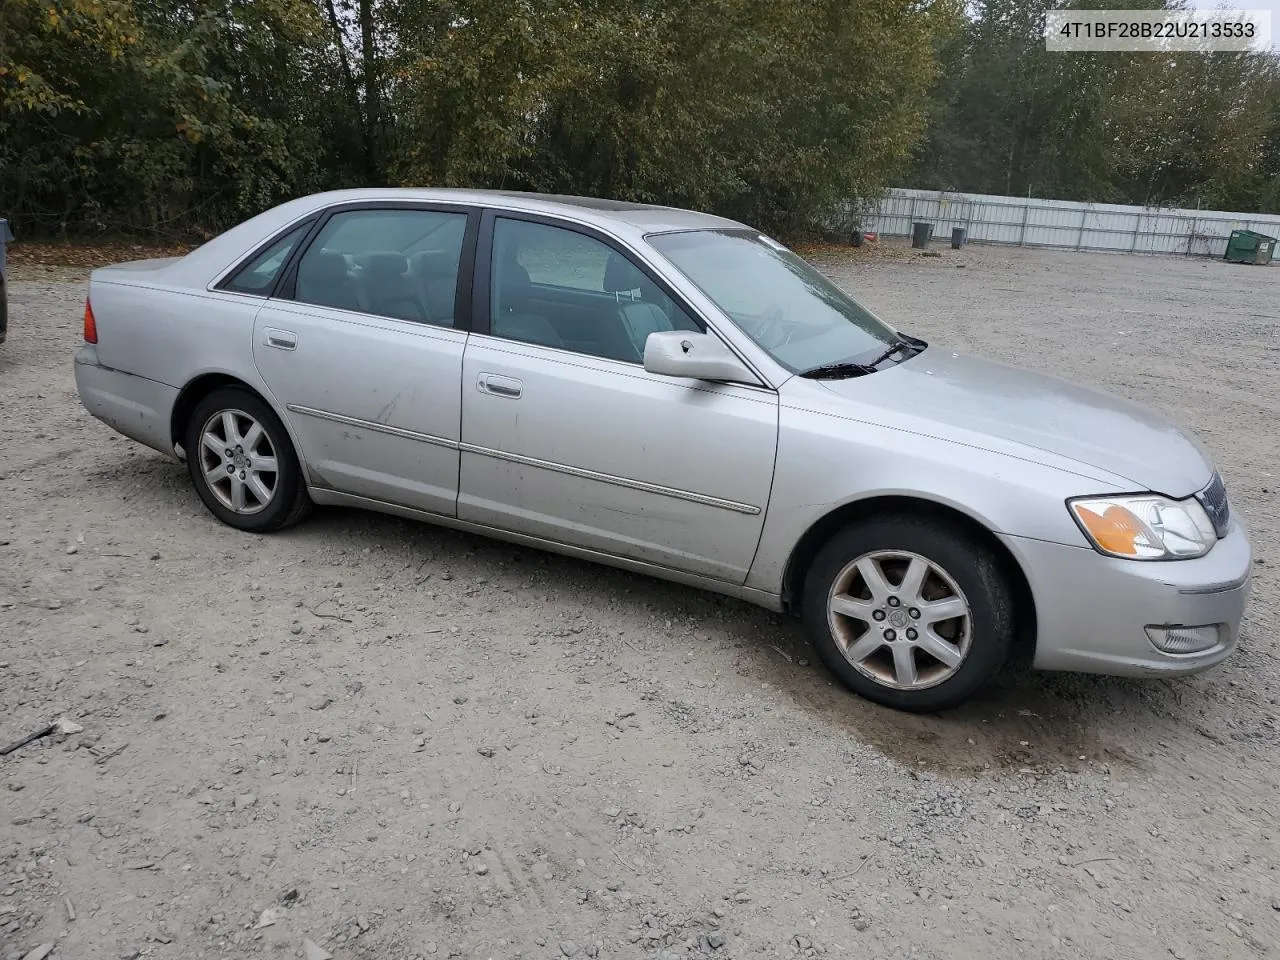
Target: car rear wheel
242,462
909,612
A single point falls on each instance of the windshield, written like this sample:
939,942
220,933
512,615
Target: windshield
786,306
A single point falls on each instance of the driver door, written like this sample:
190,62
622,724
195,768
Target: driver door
565,435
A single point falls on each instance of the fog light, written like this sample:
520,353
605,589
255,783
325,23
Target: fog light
1184,640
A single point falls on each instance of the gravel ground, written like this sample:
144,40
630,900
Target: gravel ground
396,741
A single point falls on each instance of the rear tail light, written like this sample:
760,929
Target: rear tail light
90,324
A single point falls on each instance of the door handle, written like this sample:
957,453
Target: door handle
508,387
283,339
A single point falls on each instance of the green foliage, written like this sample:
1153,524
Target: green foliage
1012,118
174,118
774,113
164,116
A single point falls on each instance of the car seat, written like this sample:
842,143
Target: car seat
388,288
435,274
323,279
638,317
512,295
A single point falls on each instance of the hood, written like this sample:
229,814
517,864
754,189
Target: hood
946,395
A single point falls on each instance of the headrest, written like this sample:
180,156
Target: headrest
433,263
508,250
620,274
323,265
650,291
384,266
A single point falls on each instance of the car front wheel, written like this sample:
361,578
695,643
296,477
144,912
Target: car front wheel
242,462
909,612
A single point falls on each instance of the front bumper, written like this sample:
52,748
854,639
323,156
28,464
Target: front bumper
1092,611
135,406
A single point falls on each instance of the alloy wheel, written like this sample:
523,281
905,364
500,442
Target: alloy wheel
238,461
899,619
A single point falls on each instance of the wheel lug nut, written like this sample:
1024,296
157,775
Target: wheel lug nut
231,468
911,634
890,635
878,615
894,601
915,614
227,452
241,474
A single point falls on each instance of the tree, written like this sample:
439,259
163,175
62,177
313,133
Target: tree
775,113
167,118
1011,117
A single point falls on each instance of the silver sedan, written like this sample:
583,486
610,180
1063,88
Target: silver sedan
681,396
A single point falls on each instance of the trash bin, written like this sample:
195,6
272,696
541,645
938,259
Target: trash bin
921,233
1246,246
5,236
957,237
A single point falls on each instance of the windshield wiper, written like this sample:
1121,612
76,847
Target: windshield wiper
900,345
839,371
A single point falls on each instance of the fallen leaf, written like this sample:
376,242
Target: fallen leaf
315,952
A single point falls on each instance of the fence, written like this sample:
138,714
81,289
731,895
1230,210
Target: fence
1064,224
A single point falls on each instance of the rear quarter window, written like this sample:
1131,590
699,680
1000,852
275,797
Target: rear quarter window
258,274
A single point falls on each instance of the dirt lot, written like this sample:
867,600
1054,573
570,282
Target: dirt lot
403,742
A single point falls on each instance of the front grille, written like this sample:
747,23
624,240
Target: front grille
1214,500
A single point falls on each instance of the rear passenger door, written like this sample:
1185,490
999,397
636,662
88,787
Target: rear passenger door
362,344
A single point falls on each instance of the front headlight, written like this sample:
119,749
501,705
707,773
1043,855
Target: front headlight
1145,526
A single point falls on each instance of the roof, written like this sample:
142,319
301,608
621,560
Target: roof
629,221
600,211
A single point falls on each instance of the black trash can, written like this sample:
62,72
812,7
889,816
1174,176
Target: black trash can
921,233
957,238
5,237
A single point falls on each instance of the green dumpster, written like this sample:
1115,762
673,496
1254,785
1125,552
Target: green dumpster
1246,246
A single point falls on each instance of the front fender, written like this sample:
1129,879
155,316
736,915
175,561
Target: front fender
826,462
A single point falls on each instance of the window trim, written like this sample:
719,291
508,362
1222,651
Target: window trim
481,305
221,285
484,264
286,285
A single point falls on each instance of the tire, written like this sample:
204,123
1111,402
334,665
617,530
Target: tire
286,493
889,644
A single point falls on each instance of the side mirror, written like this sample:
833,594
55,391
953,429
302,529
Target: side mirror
699,356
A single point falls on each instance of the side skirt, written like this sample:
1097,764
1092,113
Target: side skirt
750,595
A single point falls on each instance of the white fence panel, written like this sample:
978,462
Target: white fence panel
1064,224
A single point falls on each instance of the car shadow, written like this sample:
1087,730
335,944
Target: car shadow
1026,720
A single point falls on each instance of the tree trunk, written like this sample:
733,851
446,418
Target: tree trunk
372,96
340,37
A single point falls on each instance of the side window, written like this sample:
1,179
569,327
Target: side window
396,263
559,288
258,276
